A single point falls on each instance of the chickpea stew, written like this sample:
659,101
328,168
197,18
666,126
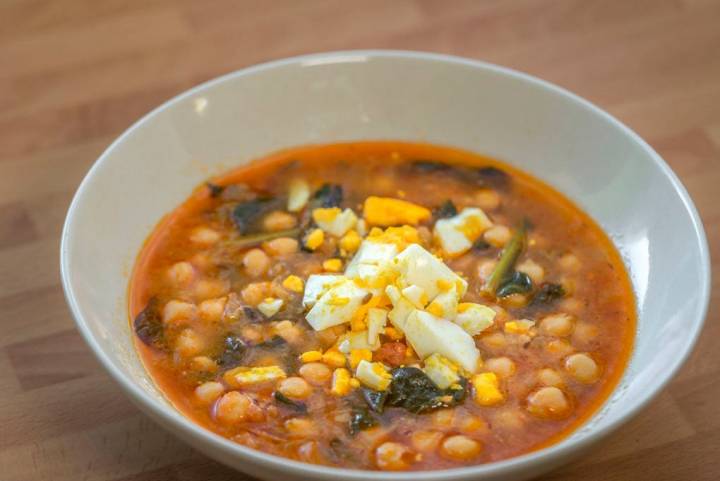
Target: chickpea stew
383,305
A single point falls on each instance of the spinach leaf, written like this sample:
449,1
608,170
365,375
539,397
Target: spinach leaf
234,349
149,326
494,177
292,404
361,419
246,215
273,342
429,166
481,245
517,283
328,195
547,294
445,210
412,390
215,190
375,399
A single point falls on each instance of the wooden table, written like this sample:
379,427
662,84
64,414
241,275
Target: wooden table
75,73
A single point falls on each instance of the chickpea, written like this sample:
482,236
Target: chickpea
392,456
485,268
569,263
278,220
208,392
549,377
584,333
426,237
497,235
289,331
426,441
504,367
487,199
254,293
533,270
282,246
516,300
309,452
204,236
509,420
571,304
211,310
181,273
251,334
472,424
494,340
189,343
234,407
315,373
583,368
201,261
443,418
256,262
548,402
207,288
559,347
300,427
559,325
294,387
460,448
178,312
203,364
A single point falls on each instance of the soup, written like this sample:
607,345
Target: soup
382,305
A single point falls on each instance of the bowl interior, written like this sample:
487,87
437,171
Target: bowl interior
559,138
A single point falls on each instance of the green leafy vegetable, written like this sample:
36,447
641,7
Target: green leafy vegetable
292,404
547,294
412,390
375,399
149,326
445,210
509,256
233,351
361,419
517,283
328,195
246,215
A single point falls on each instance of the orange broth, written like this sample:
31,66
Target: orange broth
192,257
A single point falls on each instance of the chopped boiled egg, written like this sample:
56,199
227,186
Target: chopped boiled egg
386,211
487,389
474,318
371,253
270,306
401,308
419,267
523,326
334,221
373,375
337,305
416,295
341,382
356,340
441,371
245,376
316,286
429,334
457,234
444,305
298,195
376,321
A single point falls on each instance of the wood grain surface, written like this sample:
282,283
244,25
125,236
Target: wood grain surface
75,73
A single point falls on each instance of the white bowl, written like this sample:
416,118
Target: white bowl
566,141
